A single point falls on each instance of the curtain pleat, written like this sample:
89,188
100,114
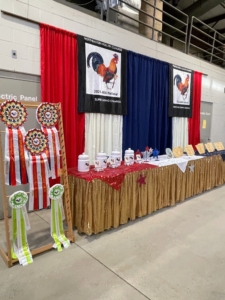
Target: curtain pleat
180,132
194,122
102,133
59,83
147,122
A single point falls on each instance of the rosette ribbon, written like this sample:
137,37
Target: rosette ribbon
38,169
47,117
14,114
57,217
20,224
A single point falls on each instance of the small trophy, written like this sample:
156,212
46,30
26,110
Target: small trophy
147,153
155,154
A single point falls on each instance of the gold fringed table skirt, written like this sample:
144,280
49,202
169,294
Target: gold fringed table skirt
96,206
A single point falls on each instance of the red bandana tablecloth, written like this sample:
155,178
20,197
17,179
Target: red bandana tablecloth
113,177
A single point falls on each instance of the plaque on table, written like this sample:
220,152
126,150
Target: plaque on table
219,146
189,150
209,147
177,152
201,148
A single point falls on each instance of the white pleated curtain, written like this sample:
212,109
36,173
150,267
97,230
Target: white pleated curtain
180,132
102,133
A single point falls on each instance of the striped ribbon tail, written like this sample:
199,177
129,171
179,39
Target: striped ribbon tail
53,152
39,182
23,156
57,232
15,157
20,224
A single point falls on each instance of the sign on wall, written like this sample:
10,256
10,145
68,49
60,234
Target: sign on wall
205,121
102,77
18,86
180,102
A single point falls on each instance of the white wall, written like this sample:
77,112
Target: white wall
24,37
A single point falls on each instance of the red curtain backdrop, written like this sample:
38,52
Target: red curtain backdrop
59,83
194,122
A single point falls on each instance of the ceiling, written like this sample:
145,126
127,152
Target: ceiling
211,12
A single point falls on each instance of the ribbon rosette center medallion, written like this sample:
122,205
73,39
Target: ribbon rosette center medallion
36,141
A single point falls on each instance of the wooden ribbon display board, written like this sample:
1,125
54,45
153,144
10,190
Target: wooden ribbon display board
6,255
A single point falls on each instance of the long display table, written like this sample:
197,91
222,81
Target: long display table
99,203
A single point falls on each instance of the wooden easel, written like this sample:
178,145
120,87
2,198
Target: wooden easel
6,255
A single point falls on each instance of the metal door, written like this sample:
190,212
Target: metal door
206,121
22,87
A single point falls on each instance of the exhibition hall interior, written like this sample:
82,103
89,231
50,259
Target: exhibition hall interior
112,149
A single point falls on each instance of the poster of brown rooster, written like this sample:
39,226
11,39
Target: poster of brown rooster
180,103
102,77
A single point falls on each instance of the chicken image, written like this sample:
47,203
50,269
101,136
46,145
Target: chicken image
108,73
182,87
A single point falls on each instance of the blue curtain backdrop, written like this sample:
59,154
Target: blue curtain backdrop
147,122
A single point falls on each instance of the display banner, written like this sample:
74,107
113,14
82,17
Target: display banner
102,77
180,100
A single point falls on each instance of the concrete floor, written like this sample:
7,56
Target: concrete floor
177,253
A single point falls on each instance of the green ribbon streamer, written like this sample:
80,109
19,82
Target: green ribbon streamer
65,241
14,232
57,232
54,229
25,247
22,254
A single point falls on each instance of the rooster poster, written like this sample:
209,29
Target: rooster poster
180,103
102,77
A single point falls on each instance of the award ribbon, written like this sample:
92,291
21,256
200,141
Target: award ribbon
20,224
53,150
14,114
47,116
57,232
39,182
36,143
